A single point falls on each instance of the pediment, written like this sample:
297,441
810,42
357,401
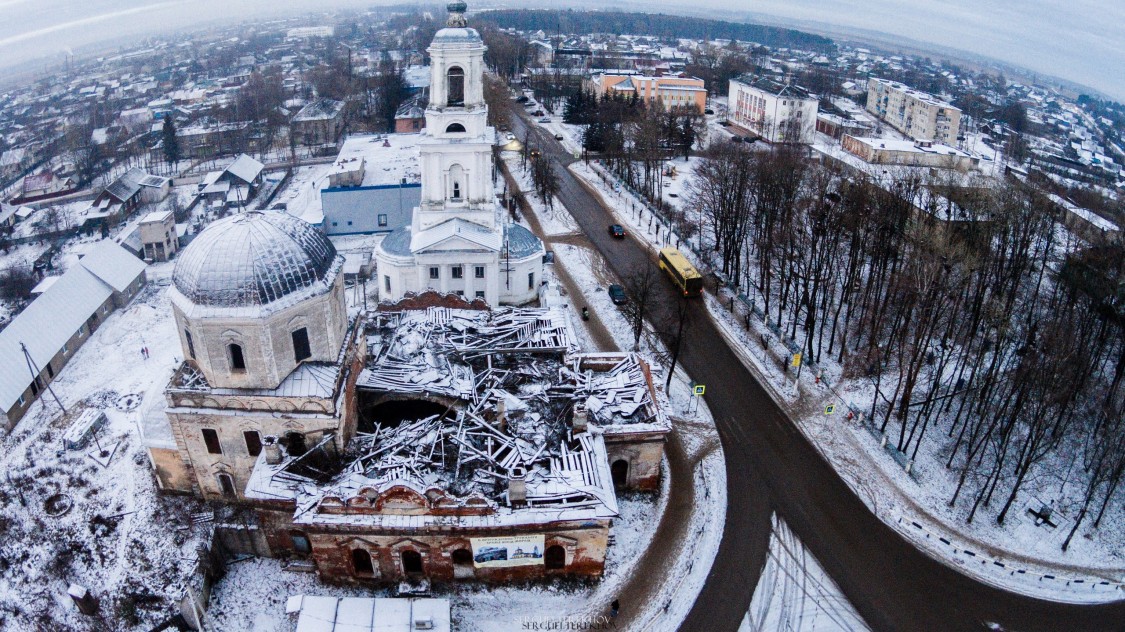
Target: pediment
454,243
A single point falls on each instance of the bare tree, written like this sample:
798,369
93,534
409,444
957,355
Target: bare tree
678,321
640,283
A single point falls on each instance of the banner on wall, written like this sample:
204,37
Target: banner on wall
516,550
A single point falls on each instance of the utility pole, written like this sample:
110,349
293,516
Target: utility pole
35,375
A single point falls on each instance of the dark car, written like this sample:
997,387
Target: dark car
522,98
617,294
617,231
736,139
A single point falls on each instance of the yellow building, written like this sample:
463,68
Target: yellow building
673,92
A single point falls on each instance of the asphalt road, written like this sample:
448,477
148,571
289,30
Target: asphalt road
771,467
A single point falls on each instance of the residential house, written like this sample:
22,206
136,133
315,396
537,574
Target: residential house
158,236
318,123
39,342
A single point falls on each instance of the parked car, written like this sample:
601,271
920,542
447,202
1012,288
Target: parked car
736,139
544,119
538,113
522,98
558,137
617,231
617,294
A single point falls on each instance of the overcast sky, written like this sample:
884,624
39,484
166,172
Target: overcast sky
1080,40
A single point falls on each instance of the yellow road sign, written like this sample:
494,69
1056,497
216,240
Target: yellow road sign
796,359
829,409
698,389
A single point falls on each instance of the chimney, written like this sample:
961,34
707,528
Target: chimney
517,487
273,450
502,414
579,417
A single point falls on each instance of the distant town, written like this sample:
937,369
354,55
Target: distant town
459,318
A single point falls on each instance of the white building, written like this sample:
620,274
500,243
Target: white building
457,240
917,114
776,112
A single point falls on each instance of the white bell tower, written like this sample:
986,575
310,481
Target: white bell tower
456,148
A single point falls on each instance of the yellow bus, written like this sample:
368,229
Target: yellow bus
682,272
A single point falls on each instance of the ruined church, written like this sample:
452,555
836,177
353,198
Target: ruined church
431,439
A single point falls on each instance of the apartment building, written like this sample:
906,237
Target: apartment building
774,111
917,114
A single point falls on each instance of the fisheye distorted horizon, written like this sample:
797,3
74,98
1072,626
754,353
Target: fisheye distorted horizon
1082,41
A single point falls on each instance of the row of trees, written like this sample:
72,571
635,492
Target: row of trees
992,341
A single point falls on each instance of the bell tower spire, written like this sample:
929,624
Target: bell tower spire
456,148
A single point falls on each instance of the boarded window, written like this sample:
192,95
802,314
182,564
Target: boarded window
300,541
211,438
301,350
253,442
237,362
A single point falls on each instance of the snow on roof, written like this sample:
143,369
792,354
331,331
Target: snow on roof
127,184
45,326
245,168
386,158
456,228
319,110
113,264
367,614
253,259
156,217
44,284
515,391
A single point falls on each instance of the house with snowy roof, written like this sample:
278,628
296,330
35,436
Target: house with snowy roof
38,343
122,196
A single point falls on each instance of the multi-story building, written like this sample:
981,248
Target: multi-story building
774,111
919,115
673,92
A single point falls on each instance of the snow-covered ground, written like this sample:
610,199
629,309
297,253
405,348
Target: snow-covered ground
1018,555
132,548
794,593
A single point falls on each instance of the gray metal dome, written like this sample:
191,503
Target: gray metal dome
253,259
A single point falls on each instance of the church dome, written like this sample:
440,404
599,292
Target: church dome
256,258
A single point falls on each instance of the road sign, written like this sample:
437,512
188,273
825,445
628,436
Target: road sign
829,409
698,389
797,359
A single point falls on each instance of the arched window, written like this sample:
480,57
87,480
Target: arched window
620,472
554,557
454,127
411,561
455,83
226,483
456,180
237,361
361,562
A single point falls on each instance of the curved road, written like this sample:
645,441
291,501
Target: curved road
771,467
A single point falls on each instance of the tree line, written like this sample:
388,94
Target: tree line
671,27
986,333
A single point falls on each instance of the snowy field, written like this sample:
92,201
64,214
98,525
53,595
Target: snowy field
132,548
1018,556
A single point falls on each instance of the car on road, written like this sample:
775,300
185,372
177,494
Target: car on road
617,294
538,113
558,137
545,119
617,231
522,98
736,139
